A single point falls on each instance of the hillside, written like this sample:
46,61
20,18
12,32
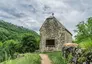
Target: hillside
11,31
16,39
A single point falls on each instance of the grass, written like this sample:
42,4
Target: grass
86,44
56,58
29,58
34,58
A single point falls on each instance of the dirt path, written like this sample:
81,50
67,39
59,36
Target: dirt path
45,59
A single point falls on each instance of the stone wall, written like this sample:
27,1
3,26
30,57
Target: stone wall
68,37
79,55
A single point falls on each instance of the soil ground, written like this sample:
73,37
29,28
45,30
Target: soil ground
45,59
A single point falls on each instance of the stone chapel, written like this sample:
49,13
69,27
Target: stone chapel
53,35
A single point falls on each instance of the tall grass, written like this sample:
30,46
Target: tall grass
28,58
87,44
56,58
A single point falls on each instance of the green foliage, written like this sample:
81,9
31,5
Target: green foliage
29,44
69,59
36,38
84,38
7,50
3,34
57,58
27,59
10,31
1,44
13,38
87,44
86,47
10,47
84,30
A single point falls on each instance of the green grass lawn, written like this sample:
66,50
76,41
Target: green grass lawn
29,58
56,58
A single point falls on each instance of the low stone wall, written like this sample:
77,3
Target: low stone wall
79,55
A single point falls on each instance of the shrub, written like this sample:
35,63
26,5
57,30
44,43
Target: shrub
29,44
86,47
10,47
1,44
87,44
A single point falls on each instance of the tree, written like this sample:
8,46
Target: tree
84,30
29,44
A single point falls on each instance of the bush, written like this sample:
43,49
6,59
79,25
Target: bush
87,44
10,47
1,44
1,51
29,44
87,47
37,38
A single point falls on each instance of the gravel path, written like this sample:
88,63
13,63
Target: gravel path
45,59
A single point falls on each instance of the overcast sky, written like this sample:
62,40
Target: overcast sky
32,13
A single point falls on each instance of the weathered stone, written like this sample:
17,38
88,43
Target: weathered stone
53,35
69,48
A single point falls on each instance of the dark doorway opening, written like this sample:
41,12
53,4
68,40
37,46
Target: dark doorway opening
50,43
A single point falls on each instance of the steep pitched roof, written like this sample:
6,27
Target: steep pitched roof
58,23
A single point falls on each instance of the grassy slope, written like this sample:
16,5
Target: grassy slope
56,58
29,58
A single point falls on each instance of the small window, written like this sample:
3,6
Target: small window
50,43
